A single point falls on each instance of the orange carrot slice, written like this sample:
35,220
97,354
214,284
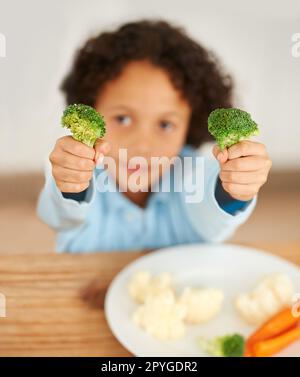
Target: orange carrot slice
279,323
272,346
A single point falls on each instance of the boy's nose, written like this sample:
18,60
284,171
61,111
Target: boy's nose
143,147
143,141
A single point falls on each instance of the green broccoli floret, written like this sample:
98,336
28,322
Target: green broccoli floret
227,346
229,126
85,123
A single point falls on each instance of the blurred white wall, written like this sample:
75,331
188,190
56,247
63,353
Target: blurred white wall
252,38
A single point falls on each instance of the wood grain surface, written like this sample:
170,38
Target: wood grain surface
54,302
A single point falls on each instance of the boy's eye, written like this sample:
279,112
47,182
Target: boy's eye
166,126
125,120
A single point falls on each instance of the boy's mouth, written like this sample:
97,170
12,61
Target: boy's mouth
131,170
136,167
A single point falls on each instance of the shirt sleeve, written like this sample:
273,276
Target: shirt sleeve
60,212
78,196
212,222
226,202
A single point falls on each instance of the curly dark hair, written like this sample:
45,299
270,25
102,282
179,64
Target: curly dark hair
193,70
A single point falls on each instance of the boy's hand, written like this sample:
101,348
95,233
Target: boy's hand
244,168
73,163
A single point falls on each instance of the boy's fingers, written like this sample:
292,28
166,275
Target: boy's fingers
70,175
243,178
246,148
70,161
215,150
102,147
71,187
221,156
249,163
70,145
235,189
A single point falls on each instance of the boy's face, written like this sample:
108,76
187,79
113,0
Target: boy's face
144,114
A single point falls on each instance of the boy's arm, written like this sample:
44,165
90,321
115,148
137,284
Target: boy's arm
59,210
214,217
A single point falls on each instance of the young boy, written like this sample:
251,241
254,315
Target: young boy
155,88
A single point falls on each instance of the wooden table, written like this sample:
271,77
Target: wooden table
46,315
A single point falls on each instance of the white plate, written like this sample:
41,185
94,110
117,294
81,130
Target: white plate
232,268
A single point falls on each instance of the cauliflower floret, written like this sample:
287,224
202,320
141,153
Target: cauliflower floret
202,304
271,295
142,284
162,316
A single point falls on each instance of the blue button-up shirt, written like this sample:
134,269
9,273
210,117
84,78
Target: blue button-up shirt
108,221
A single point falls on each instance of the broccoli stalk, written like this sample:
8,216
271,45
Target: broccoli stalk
229,126
85,123
227,346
